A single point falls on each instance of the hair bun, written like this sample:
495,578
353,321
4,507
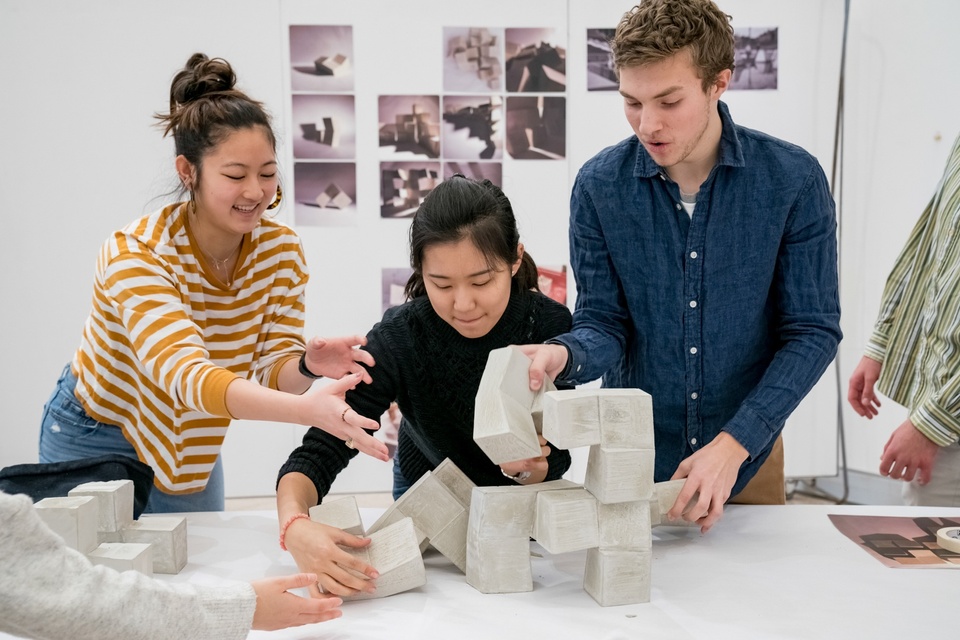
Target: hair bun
202,76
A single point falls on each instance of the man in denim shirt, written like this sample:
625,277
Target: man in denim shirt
705,258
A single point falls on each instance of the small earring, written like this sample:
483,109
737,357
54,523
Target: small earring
276,202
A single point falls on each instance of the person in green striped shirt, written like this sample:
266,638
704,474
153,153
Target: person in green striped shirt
913,356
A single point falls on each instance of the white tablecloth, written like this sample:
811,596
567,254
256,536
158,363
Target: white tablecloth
762,572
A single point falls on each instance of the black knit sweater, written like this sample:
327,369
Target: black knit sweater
433,374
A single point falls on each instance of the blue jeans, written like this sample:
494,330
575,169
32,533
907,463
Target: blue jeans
68,433
400,482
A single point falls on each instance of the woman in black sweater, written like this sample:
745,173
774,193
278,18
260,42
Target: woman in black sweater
473,289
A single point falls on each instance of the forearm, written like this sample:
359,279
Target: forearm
296,493
248,400
290,380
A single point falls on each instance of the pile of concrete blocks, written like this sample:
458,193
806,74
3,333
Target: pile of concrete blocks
96,519
610,516
394,547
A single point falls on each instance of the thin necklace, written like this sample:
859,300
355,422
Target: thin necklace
218,264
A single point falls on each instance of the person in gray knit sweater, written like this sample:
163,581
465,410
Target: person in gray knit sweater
48,590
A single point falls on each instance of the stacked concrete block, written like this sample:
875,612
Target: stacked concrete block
566,520
168,537
114,506
72,518
96,518
610,516
394,552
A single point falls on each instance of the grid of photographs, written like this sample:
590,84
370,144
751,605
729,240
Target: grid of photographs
324,124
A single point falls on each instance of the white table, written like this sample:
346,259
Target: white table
762,572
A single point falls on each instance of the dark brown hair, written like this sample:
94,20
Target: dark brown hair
461,208
205,107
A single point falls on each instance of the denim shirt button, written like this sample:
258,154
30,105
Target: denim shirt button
694,395
693,441
693,349
693,304
679,207
693,255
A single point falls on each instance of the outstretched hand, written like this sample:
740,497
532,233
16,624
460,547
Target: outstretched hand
277,608
337,357
328,410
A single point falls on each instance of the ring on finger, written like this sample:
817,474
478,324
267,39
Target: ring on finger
349,443
343,416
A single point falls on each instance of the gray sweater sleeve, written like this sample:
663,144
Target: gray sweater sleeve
48,590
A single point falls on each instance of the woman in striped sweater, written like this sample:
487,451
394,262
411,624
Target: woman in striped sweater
198,314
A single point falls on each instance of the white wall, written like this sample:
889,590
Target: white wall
79,158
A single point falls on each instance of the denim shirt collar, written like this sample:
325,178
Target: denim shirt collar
731,152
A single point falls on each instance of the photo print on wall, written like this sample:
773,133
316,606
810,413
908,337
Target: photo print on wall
755,56
536,61
601,73
409,127
472,59
324,127
326,193
321,58
404,185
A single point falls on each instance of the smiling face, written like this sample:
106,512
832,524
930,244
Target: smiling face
237,182
464,288
669,111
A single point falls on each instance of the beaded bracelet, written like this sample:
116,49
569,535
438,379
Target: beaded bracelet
290,521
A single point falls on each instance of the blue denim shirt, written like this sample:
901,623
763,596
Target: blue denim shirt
727,319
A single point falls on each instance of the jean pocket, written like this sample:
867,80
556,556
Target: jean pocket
66,416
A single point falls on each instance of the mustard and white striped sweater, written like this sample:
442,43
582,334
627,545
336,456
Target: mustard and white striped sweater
164,340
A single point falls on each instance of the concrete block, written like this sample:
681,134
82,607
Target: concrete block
455,481
665,494
626,419
566,520
503,424
73,518
614,577
571,418
619,475
395,553
114,503
498,513
122,556
167,534
341,513
625,525
499,565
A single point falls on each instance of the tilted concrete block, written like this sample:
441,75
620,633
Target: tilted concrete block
395,553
